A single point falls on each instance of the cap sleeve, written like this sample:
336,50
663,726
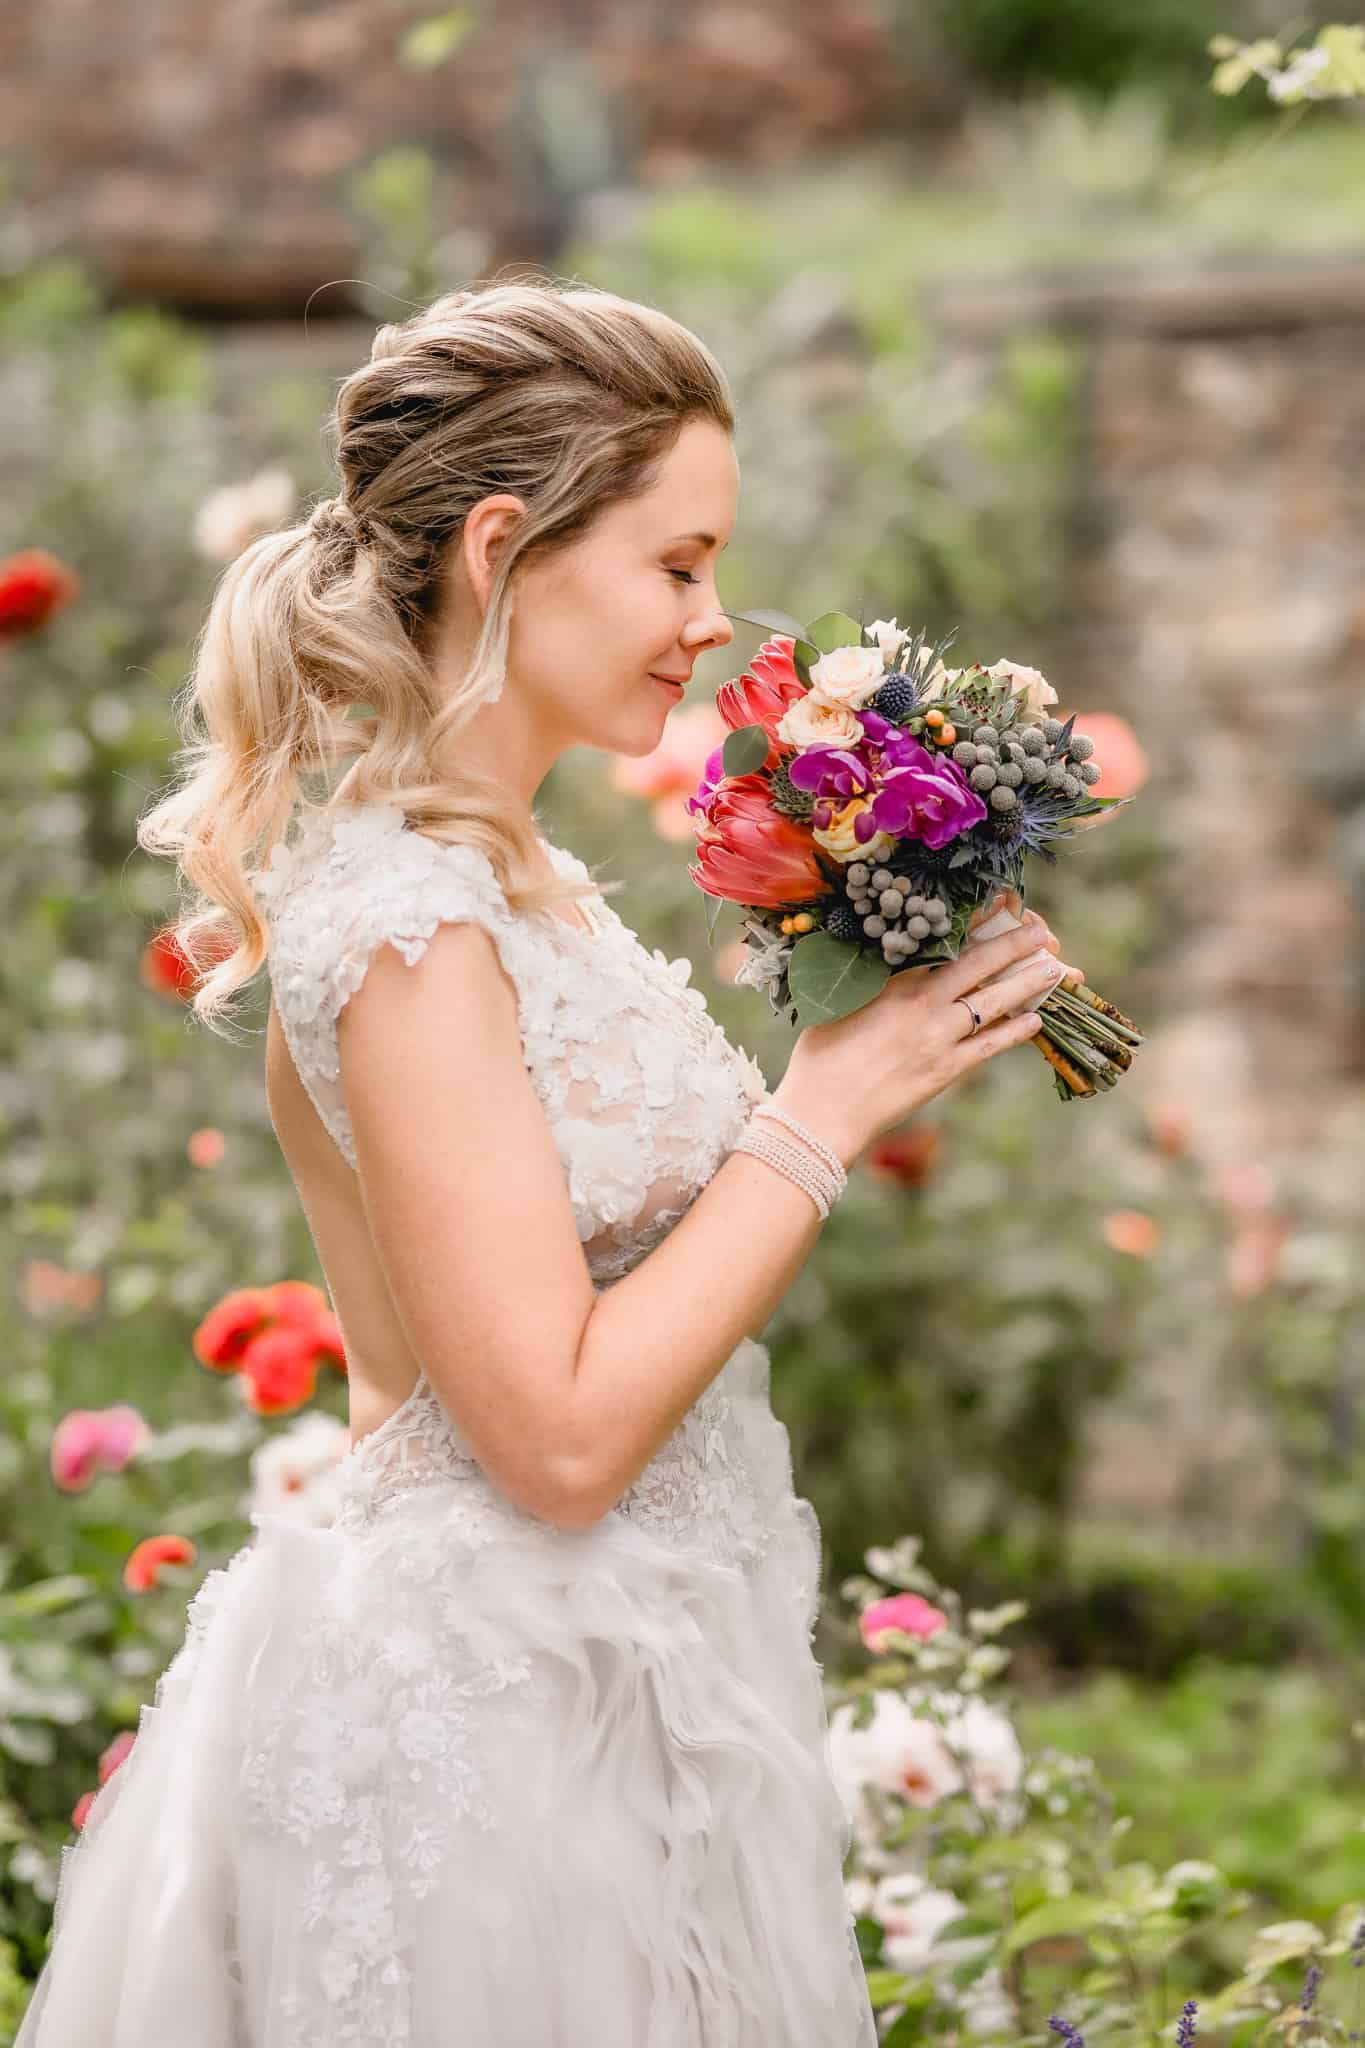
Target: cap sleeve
335,904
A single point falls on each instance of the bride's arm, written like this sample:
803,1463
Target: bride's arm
563,1396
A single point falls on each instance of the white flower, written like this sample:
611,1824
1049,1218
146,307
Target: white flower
1296,80
293,1472
911,1912
229,519
817,721
898,1752
987,2007
986,1737
890,638
848,675
1034,689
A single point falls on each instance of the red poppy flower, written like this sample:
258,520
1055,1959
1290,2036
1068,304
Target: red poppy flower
146,1561
34,586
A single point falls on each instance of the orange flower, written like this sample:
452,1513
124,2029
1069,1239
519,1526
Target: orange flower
168,971
1130,1231
906,1157
279,1370
34,587
45,1286
227,1329
148,1559
692,733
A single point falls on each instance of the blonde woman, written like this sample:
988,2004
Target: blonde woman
526,1748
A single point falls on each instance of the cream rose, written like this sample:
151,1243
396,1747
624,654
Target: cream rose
848,675
817,721
838,839
1034,689
890,638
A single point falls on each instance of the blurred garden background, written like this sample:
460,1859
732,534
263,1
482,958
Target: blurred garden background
1032,334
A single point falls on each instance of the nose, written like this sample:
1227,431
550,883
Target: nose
712,631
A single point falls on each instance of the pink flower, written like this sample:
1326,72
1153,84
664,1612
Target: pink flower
905,1612
116,1753
91,1440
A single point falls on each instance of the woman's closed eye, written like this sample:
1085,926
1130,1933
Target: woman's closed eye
686,575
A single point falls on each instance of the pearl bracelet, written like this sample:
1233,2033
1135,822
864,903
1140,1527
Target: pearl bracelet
817,1145
798,1167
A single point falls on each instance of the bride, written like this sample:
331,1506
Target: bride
525,1748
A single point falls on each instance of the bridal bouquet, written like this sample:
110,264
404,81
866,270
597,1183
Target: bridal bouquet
866,805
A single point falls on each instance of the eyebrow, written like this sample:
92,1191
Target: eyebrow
708,540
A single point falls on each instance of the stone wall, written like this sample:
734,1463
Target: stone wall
1219,605
198,151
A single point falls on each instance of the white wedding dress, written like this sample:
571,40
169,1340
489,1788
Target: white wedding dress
440,1774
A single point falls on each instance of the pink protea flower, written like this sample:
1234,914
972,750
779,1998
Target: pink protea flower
88,1441
903,1612
749,853
763,693
146,1560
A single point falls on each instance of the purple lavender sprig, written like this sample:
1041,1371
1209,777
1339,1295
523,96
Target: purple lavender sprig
1073,2036
1310,1988
1185,2028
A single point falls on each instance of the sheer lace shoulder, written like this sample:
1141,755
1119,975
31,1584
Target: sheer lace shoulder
643,1091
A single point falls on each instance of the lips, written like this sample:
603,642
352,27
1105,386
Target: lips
679,680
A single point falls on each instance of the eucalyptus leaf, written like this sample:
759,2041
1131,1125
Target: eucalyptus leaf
744,750
830,978
776,622
834,629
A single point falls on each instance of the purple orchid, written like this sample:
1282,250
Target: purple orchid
917,795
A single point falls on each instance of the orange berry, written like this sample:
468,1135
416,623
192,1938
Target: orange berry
946,738
785,927
935,717
803,921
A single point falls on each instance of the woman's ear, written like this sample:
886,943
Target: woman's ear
487,527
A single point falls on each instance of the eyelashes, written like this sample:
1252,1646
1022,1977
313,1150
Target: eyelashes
685,574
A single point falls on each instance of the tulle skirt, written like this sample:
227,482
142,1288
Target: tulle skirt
438,1773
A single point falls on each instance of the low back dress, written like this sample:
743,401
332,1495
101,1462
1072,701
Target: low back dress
439,1773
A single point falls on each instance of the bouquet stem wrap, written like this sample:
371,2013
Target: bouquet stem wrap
1084,1039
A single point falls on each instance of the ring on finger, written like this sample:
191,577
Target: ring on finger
975,1015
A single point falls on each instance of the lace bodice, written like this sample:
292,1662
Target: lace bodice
643,1091
644,1094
